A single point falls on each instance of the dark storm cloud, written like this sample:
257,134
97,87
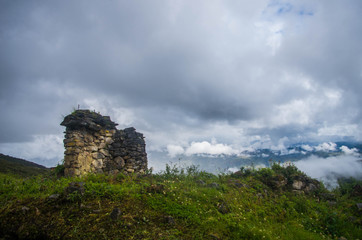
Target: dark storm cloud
115,48
182,65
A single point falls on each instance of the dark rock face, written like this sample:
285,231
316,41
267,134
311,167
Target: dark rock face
93,144
88,120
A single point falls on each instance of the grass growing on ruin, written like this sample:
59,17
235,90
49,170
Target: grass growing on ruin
176,204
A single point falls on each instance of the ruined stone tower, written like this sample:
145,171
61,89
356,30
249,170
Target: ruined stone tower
93,144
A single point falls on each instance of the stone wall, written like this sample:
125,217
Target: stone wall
93,144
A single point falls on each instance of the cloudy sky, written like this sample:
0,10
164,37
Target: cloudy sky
193,76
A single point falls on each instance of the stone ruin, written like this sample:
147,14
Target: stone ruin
93,144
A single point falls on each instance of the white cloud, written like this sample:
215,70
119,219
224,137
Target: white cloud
174,150
307,148
122,116
333,96
212,148
292,151
326,169
233,169
272,33
326,147
281,146
349,151
246,72
297,111
316,100
330,147
338,130
46,150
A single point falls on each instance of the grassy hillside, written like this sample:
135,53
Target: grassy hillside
20,167
178,204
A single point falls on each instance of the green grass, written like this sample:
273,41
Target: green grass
176,204
19,167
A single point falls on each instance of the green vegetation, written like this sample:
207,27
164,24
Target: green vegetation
177,204
20,167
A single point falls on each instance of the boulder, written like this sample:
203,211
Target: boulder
359,206
223,208
54,196
298,185
115,214
236,183
213,185
75,187
311,188
200,182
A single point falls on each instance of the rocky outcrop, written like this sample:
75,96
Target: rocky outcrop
303,183
93,144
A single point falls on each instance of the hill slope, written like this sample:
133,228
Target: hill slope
277,203
20,167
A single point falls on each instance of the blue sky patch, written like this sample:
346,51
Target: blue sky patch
305,13
284,8
281,8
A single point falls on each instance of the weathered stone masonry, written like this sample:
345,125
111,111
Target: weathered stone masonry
93,144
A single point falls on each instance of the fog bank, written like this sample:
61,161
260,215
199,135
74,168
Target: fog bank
329,169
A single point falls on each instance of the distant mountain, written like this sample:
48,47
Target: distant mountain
257,157
20,167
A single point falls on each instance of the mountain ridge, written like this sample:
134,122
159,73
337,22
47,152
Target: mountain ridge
20,167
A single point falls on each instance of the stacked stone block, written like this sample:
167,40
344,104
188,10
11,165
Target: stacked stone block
94,145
